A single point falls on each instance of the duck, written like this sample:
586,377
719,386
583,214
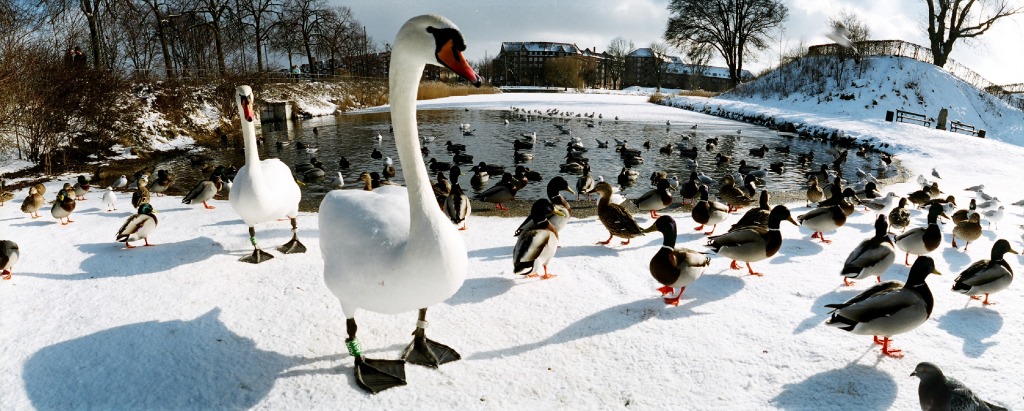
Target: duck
614,217
456,203
138,226
162,183
417,258
441,188
388,172
752,244
655,200
555,187
9,254
367,181
690,189
480,176
962,214
110,199
436,166
674,267
922,240
462,158
987,276
888,308
871,257
521,157
814,193
968,231
707,212
502,192
454,148
822,220
81,188
33,202
141,194
376,154
204,191
755,217
64,206
899,217
584,183
536,247
733,196
5,195
263,191
937,392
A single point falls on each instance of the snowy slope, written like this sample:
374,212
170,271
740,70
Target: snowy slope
183,325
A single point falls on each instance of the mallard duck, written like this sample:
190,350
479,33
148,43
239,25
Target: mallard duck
922,240
502,192
437,166
456,204
141,194
442,188
417,258
937,392
40,188
814,193
9,254
64,206
204,191
690,189
654,200
110,199
987,276
367,181
708,212
554,189
961,215
480,176
968,231
584,183
81,188
752,244
616,219
870,191
388,171
755,217
162,182
822,220
933,190
138,226
521,157
33,202
899,217
454,148
733,196
5,195
264,190
845,204
888,308
674,267
872,256
835,193
535,247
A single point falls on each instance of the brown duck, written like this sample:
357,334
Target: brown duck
616,219
968,231
732,195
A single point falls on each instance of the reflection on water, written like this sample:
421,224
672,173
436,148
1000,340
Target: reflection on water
354,137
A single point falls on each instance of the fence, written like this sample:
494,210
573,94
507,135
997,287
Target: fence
1011,94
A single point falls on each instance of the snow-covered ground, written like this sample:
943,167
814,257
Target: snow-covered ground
183,325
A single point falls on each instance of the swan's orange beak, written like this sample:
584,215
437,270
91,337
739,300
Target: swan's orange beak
454,60
247,108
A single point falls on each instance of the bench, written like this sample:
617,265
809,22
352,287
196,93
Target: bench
904,116
958,127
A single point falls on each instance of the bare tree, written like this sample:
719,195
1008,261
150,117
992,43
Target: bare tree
859,30
217,12
261,15
659,62
952,20
618,49
732,27
306,17
697,57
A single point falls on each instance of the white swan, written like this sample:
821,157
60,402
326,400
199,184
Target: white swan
393,250
262,190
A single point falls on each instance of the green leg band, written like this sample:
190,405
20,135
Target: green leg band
353,348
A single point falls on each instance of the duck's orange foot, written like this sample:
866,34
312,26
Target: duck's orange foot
548,276
734,265
847,282
6,275
666,290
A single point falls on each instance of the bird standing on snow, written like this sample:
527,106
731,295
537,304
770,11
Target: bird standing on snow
9,254
674,267
888,308
33,202
121,182
937,392
138,226
935,173
110,199
872,256
616,218
754,243
987,276
536,247
64,206
922,240
141,194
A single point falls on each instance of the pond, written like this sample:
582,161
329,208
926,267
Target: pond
354,137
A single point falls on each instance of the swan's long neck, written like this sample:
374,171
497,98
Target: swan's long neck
252,155
403,84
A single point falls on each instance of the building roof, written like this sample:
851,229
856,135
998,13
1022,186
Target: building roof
540,46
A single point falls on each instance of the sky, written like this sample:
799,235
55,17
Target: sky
997,55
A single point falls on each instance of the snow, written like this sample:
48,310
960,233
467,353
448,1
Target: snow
89,324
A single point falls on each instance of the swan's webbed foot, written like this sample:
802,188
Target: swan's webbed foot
257,256
378,375
293,246
429,353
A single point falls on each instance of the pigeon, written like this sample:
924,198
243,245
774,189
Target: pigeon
939,392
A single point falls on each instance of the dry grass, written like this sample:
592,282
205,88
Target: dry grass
435,89
697,93
656,98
